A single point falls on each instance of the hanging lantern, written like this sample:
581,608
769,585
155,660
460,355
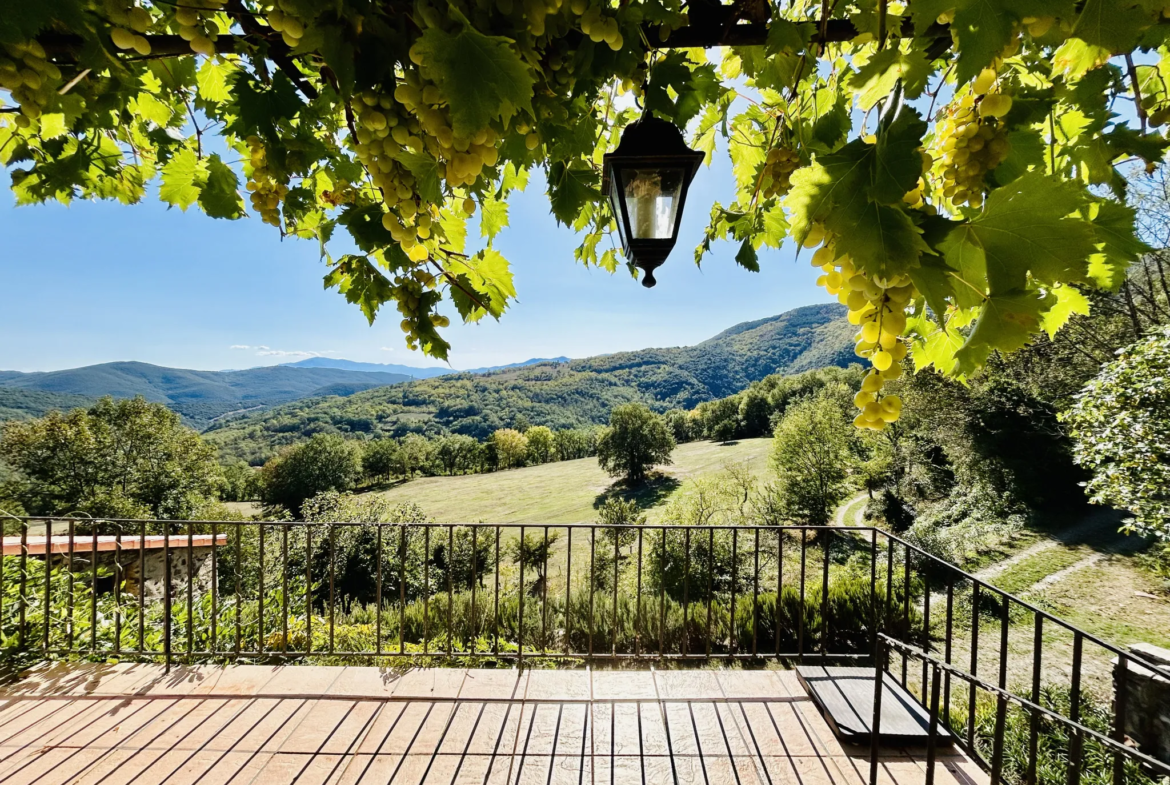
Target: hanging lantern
646,179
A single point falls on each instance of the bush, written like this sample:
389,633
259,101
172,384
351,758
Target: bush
324,463
635,441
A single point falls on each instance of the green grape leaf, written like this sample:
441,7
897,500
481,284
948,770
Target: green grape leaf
338,53
21,21
493,217
484,284
53,126
894,159
454,225
220,195
150,108
746,257
692,85
213,78
426,174
482,77
933,345
1074,58
365,226
934,279
775,227
882,240
182,178
786,36
1113,25
259,108
1068,301
1007,322
876,79
1025,229
983,28
514,179
361,283
570,188
1113,223
1026,153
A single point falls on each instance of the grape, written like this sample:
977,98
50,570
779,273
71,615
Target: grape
779,165
197,25
31,78
267,191
971,141
878,306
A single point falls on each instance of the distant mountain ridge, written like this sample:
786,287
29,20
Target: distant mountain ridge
200,396
409,370
559,394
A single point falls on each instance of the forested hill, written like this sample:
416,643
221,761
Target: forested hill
560,395
200,396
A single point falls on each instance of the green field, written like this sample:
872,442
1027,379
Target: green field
567,491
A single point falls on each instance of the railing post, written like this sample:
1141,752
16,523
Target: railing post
1076,740
1034,718
166,596
1119,698
21,598
1000,700
932,730
875,727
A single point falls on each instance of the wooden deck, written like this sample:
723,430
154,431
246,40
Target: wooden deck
259,724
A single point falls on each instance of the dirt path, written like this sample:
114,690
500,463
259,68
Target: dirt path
851,509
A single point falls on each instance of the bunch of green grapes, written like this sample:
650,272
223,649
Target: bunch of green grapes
31,79
409,291
779,165
971,140
130,22
197,24
598,26
282,20
878,307
267,191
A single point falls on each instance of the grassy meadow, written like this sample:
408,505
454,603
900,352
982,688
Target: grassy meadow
567,491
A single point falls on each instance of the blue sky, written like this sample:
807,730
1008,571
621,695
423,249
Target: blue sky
98,282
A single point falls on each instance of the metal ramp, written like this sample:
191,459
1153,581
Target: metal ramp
845,697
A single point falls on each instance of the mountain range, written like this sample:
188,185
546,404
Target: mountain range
565,394
409,370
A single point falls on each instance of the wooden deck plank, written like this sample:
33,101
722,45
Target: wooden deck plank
352,725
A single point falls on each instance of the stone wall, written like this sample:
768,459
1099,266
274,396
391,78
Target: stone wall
148,570
1147,701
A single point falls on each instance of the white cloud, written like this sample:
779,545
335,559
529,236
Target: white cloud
266,352
245,347
387,348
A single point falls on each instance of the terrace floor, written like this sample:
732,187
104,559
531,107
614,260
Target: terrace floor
258,724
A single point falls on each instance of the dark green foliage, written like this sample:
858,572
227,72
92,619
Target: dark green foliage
380,459
635,441
324,463
128,458
21,404
241,483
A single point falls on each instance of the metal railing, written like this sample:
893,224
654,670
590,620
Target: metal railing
187,591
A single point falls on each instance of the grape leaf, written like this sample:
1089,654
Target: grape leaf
454,225
876,79
182,179
482,77
1068,301
365,226
1024,229
484,284
571,187
493,217
882,240
746,257
212,78
220,196
426,173
1113,25
361,283
933,278
338,53
1007,322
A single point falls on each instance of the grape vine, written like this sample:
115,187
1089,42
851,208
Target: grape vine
959,165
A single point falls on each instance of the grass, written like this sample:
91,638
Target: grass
568,491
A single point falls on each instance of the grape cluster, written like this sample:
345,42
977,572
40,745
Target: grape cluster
267,191
409,292
972,140
598,26
779,165
30,77
197,24
130,22
291,29
878,307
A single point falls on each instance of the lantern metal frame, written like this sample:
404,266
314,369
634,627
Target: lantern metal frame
648,143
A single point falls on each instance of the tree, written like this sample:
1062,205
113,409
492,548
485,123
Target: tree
635,441
574,443
1120,425
380,458
541,445
326,462
811,452
241,483
511,448
414,453
755,411
347,117
126,458
457,453
679,424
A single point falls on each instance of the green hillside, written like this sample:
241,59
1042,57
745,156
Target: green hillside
200,396
567,491
560,395
19,404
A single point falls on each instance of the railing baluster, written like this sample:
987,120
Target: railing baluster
662,600
1076,740
1000,701
332,580
825,596
426,593
925,629
215,585
932,731
402,584
617,540
779,584
141,586
733,642
93,589
22,596
450,590
905,609
800,607
1034,718
875,726
1119,706
284,589
71,599
260,595
974,665
873,602
48,574
520,595
308,589
568,642
496,598
686,636
756,592
378,597
190,590
471,645
117,590
239,568
167,596
948,648
592,581
638,599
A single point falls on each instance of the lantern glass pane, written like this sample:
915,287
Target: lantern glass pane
652,197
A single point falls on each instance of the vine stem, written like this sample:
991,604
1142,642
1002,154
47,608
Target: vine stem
1137,90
